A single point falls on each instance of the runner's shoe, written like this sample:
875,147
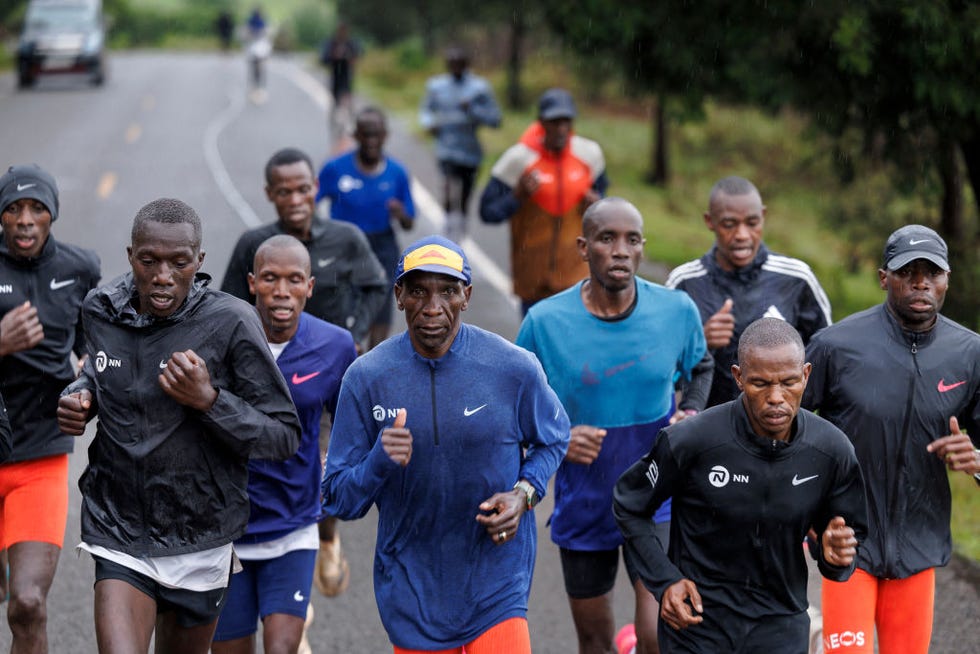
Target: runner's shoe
626,640
332,574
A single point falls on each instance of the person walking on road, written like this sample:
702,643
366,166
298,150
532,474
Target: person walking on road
618,399
371,190
749,479
164,492
739,281
452,433
42,284
455,105
543,185
901,380
338,55
278,550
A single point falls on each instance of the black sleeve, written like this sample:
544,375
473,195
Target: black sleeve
6,436
239,266
601,184
497,202
638,494
694,394
846,499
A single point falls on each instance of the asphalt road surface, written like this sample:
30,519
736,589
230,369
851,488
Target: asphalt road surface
181,125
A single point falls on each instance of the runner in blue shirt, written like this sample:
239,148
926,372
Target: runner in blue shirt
371,190
279,548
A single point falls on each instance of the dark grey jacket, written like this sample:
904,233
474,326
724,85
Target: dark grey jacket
162,478
893,392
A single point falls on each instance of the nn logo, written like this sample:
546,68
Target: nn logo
719,477
102,361
380,413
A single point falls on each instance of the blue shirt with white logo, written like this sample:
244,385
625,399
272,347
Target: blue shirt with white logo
362,199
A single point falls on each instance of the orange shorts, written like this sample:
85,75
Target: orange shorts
508,637
34,501
901,610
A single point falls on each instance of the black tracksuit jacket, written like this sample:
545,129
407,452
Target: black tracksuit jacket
892,392
162,478
55,282
742,506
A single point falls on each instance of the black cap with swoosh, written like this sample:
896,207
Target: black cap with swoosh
913,242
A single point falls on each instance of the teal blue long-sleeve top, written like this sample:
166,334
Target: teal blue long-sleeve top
482,417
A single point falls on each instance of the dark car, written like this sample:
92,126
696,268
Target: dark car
62,36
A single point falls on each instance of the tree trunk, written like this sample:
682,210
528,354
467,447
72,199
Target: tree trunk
659,173
515,60
962,302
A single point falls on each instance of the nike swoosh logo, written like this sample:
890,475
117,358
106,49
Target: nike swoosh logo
468,412
55,285
297,380
323,263
298,596
22,187
943,387
797,481
921,240
163,364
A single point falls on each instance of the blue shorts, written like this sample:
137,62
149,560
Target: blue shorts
280,585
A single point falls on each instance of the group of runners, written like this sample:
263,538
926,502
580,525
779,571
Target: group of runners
674,419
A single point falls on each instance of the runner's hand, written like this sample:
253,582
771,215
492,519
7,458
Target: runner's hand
20,329
502,515
956,450
585,443
839,543
681,604
719,329
397,440
527,185
73,412
186,379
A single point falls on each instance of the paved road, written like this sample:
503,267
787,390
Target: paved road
180,125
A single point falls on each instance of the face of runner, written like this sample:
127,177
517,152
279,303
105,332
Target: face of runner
26,225
281,285
370,135
737,222
772,380
613,245
557,131
432,303
164,257
292,189
915,293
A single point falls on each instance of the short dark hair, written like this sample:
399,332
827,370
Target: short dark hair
282,242
732,186
372,110
170,211
285,157
590,217
769,333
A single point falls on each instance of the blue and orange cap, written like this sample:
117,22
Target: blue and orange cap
434,254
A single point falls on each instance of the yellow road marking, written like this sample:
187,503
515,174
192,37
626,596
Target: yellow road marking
107,184
133,133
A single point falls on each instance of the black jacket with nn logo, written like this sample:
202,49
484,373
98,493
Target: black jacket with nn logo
742,505
55,282
163,478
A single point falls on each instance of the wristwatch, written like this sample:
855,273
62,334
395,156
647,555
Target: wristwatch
530,494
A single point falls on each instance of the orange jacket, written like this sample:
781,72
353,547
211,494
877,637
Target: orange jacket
544,257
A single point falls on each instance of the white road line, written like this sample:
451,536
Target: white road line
429,207
236,101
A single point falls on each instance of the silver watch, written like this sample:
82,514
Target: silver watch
530,494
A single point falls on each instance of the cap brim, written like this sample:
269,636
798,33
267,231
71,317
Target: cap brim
442,270
905,258
556,113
